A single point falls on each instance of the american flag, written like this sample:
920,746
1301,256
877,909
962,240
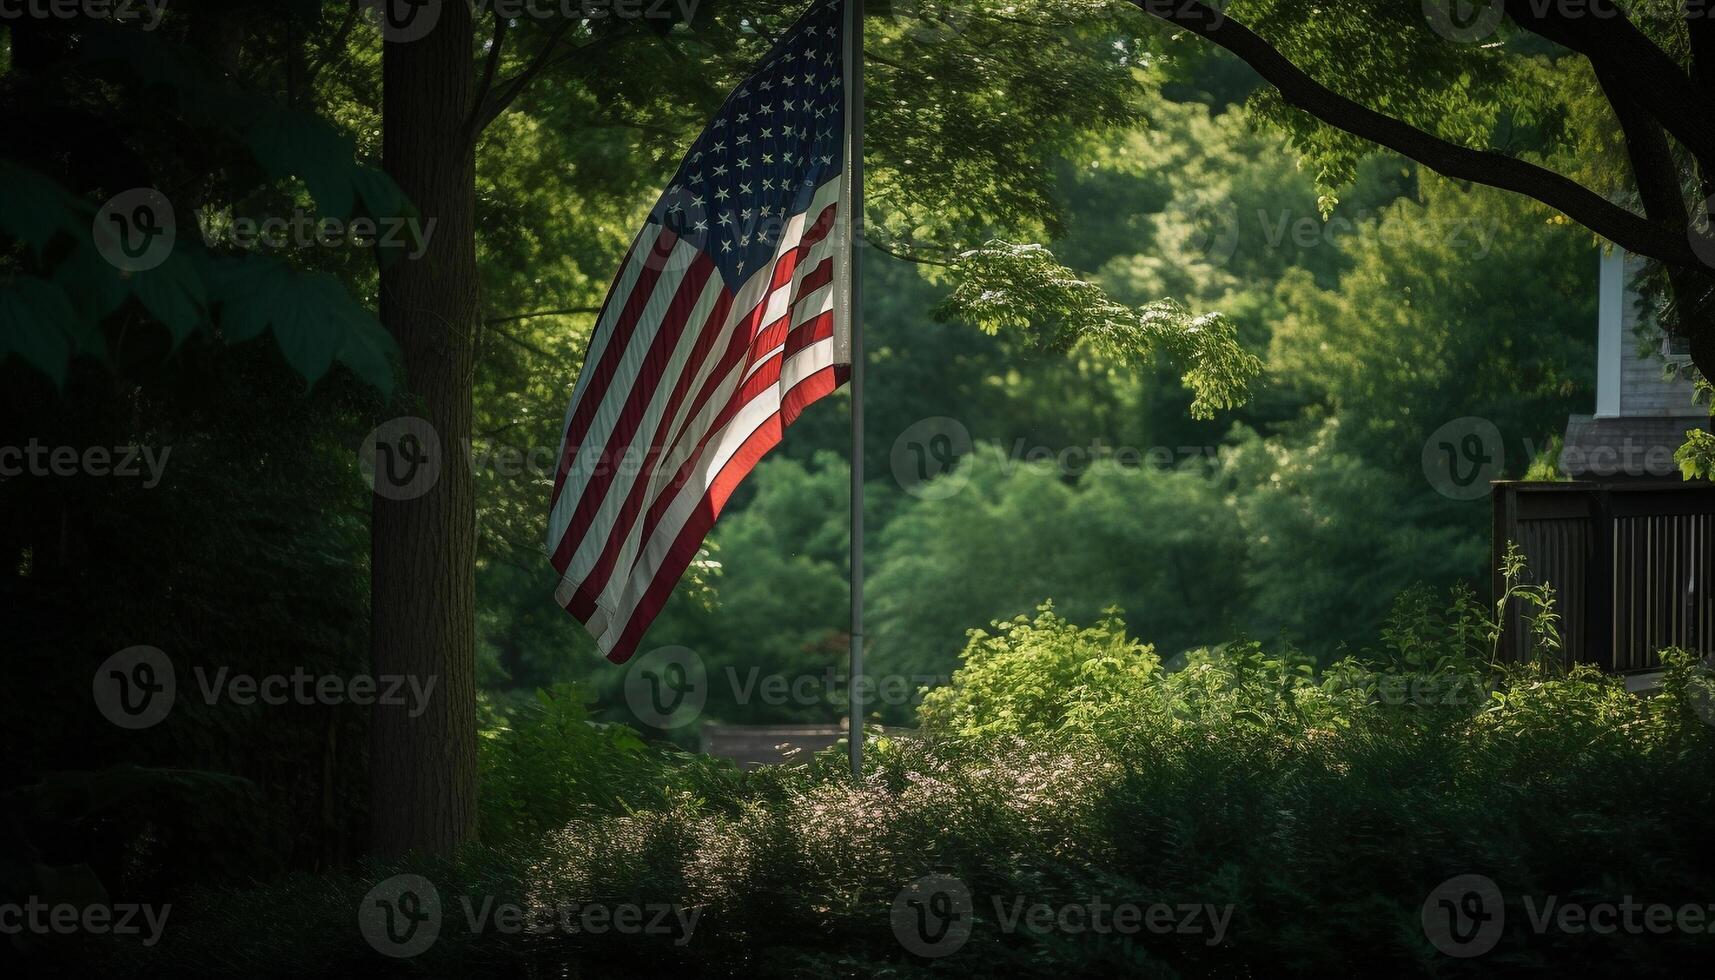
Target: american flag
728,318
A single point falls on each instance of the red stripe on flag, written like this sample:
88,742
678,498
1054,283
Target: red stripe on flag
690,538
583,601
764,378
809,332
592,397
818,231
807,392
753,356
616,453
576,532
819,277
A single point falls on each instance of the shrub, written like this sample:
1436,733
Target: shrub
545,764
1320,809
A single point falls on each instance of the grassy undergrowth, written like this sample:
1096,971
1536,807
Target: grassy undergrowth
1313,814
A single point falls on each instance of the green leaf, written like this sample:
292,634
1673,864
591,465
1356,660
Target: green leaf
314,319
96,288
175,294
300,144
307,324
33,208
1696,457
1024,289
381,197
248,291
370,351
38,323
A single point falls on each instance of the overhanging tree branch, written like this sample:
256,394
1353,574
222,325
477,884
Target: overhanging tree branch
479,102
496,102
336,44
1653,169
1701,33
1631,62
1657,176
1619,225
566,311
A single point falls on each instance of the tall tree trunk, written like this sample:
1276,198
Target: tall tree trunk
423,589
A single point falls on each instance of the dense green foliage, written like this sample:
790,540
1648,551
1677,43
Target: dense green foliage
1176,263
1066,764
1091,483
1197,344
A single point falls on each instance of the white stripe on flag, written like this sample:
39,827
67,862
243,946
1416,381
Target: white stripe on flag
636,566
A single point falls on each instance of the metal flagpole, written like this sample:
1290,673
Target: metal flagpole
854,167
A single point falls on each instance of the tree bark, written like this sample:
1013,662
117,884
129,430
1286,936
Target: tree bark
423,550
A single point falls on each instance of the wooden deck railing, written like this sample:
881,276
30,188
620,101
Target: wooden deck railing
1631,564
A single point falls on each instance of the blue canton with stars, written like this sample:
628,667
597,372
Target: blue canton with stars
779,137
